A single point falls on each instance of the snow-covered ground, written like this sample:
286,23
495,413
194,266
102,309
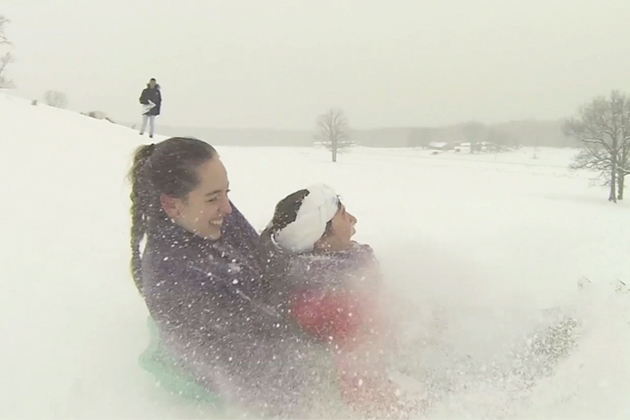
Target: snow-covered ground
488,242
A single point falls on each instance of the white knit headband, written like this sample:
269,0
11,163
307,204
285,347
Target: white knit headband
317,209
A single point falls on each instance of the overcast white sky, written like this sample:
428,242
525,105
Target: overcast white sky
279,63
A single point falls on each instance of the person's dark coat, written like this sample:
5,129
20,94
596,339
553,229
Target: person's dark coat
154,95
208,301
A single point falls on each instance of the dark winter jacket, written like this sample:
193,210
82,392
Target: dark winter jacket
154,95
339,270
207,299
335,298
330,295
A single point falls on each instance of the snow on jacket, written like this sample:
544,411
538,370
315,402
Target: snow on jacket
207,299
336,298
333,295
154,95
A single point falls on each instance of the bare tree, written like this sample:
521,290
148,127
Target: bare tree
5,82
332,132
624,168
56,99
7,58
3,24
603,127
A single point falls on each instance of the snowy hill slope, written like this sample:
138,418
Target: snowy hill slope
70,314
486,243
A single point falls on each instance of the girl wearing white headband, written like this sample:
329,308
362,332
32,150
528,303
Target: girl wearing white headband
312,219
329,285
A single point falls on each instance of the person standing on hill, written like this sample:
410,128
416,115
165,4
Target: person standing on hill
151,100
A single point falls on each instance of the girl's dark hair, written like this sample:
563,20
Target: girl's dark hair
286,210
273,258
170,168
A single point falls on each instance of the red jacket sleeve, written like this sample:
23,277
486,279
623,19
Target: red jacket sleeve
337,317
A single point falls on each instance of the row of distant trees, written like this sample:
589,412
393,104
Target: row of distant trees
332,131
602,127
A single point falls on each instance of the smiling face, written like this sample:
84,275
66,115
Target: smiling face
203,209
341,232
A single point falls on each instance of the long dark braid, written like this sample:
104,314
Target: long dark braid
139,216
169,168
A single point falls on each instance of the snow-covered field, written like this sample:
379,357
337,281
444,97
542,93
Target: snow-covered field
488,242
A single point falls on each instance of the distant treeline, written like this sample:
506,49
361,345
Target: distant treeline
525,133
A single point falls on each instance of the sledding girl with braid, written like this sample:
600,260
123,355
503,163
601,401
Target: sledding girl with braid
202,282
